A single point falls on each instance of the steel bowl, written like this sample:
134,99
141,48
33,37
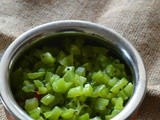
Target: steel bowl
127,52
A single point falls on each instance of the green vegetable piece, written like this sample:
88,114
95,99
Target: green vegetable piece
69,76
60,70
47,58
101,103
35,113
79,80
67,61
113,71
38,83
42,90
75,92
80,71
26,82
122,95
41,70
48,99
31,104
119,85
120,66
38,109
88,90
119,104
56,112
48,76
68,85
109,117
100,78
40,118
110,95
113,101
100,91
29,88
67,113
84,117
61,86
47,114
128,90
54,78
113,81
49,87
83,97
115,112
35,75
45,108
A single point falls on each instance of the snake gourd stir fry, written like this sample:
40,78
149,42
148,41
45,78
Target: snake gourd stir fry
71,81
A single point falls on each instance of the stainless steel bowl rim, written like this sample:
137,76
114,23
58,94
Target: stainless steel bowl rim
64,25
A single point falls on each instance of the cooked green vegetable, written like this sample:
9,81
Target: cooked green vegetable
73,81
47,99
31,104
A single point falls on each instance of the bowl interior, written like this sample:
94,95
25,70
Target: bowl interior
117,45
56,40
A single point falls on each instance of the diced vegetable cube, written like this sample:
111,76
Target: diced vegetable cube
79,80
101,103
35,113
75,92
31,104
119,104
100,91
80,71
128,90
88,90
47,58
119,85
67,61
68,113
47,99
84,117
61,86
38,83
56,112
35,75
